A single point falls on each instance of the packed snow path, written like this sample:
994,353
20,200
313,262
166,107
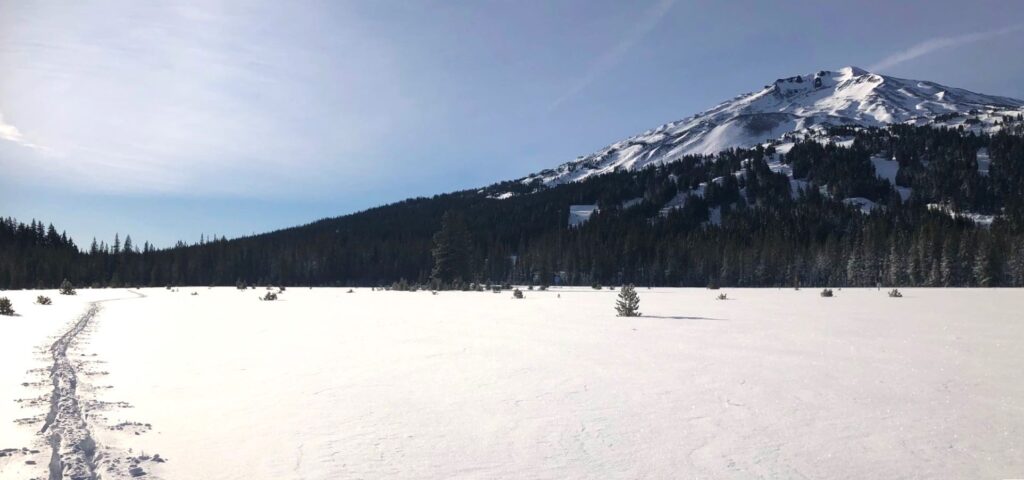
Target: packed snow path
68,433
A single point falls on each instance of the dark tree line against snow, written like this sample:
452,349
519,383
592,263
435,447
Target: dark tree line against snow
766,237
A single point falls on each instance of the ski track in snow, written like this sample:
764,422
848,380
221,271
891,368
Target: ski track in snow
68,433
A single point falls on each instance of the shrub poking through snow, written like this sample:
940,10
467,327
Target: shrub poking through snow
43,300
5,306
628,304
517,293
895,293
270,296
826,292
723,296
66,288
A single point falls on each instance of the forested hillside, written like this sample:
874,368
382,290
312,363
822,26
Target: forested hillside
807,211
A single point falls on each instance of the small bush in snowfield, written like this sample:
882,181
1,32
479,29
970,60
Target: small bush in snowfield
517,293
66,288
43,300
270,296
5,306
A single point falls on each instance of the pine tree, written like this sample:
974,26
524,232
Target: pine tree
5,306
66,288
628,304
987,266
451,251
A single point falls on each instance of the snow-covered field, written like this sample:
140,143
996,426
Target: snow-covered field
328,384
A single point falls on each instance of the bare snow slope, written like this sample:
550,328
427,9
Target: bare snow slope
849,96
769,384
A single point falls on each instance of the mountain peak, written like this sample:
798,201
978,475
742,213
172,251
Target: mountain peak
852,71
849,96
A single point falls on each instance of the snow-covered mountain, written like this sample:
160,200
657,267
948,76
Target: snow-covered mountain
848,96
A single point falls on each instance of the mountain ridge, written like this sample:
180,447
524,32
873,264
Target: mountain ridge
848,96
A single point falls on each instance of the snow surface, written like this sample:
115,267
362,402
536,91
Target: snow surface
580,214
979,219
24,340
802,103
863,204
327,384
984,162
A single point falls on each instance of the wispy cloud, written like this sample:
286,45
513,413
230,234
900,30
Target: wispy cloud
11,133
939,43
613,56
191,97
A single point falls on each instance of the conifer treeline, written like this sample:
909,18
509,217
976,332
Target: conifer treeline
767,234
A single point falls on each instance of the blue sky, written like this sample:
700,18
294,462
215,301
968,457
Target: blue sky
167,120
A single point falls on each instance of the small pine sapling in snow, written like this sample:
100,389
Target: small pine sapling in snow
43,300
66,288
517,293
628,304
827,293
5,306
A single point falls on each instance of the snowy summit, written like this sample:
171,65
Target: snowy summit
848,96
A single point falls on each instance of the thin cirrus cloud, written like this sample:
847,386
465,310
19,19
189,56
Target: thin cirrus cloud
609,59
188,97
934,44
12,134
